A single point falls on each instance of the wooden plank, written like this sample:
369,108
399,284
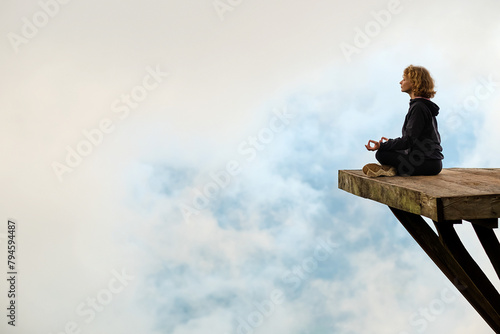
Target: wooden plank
474,179
445,260
395,192
483,172
449,183
470,207
454,194
389,192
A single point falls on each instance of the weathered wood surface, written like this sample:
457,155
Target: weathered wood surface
454,194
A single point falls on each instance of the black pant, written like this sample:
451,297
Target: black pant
409,164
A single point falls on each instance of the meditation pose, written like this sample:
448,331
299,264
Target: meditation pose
418,151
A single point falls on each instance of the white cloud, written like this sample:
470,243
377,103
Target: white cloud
119,207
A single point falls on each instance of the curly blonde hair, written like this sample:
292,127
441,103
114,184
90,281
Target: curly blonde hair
423,83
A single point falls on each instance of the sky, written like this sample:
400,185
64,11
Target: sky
171,166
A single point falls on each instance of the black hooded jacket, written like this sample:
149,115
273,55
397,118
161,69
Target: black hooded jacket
420,131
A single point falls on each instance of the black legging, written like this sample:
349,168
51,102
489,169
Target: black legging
409,164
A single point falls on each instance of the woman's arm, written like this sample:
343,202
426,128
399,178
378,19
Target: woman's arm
413,129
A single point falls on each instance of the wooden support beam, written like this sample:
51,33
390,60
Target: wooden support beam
490,244
446,261
489,223
450,239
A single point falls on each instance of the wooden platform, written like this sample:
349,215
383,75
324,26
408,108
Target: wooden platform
454,195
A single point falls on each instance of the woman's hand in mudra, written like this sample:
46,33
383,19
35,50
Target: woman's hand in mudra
376,144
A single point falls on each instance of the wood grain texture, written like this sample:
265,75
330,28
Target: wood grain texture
454,194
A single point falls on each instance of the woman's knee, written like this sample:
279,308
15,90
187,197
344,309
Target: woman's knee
380,156
385,157
429,167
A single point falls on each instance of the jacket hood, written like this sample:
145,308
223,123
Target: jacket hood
434,108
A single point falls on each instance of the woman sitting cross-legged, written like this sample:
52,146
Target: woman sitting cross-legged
418,151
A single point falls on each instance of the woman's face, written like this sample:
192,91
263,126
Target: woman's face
406,85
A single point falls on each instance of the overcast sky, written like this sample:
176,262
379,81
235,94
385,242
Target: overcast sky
172,165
